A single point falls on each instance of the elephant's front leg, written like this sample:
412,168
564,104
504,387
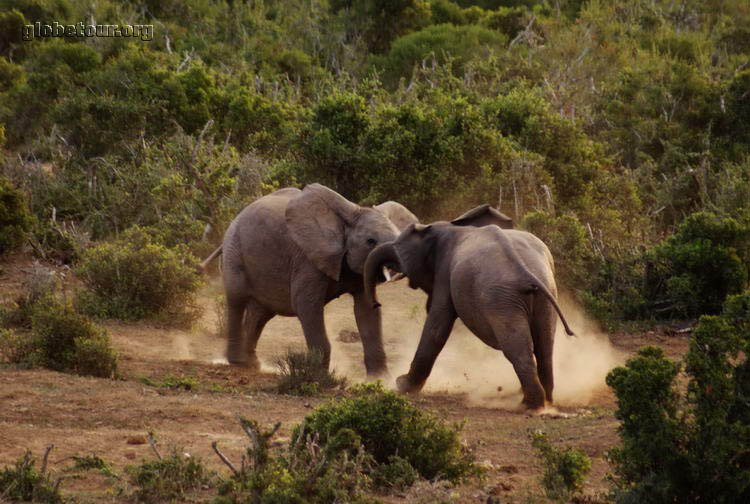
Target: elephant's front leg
435,333
308,302
369,323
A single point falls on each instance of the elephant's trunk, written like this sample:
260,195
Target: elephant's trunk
538,286
383,255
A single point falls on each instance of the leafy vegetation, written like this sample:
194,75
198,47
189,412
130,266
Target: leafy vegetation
137,277
687,445
602,127
305,373
335,456
388,425
564,469
23,483
169,478
14,217
313,472
60,338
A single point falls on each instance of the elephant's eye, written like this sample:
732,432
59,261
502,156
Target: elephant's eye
371,242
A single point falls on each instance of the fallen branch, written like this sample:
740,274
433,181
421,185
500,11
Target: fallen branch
215,446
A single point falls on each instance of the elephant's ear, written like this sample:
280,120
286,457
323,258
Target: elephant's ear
317,221
484,215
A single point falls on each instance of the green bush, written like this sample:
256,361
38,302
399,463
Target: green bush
305,373
442,42
397,474
310,472
389,425
16,347
687,446
14,217
135,277
23,483
68,341
564,469
169,478
694,270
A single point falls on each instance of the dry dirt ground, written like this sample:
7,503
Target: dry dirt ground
471,383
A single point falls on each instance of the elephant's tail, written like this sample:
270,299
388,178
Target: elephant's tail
533,282
538,286
210,258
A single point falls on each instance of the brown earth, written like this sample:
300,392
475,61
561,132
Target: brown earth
471,383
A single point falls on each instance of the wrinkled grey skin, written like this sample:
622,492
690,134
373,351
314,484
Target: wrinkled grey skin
397,213
499,282
291,252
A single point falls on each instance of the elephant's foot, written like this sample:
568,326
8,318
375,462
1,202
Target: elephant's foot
532,405
250,362
406,386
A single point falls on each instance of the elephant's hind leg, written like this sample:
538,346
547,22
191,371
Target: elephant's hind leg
543,334
236,341
256,317
518,350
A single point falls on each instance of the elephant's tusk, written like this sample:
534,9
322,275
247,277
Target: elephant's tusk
386,274
398,276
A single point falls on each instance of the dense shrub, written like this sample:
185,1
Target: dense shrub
443,42
14,217
565,470
169,478
305,373
67,341
310,472
23,483
688,446
694,270
136,277
389,425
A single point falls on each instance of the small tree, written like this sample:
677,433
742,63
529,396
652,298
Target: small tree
691,446
694,270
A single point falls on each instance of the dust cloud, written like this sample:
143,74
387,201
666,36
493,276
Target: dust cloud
468,366
465,366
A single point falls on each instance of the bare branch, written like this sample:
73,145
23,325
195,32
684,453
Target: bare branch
152,442
46,456
229,464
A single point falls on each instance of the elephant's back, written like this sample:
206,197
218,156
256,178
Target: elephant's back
260,223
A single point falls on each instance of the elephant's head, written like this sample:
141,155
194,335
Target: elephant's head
413,252
397,213
330,229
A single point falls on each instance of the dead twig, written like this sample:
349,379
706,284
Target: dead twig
215,446
46,456
152,443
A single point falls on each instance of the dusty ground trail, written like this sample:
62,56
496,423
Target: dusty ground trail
84,416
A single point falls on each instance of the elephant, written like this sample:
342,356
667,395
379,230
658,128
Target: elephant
397,213
499,282
290,253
